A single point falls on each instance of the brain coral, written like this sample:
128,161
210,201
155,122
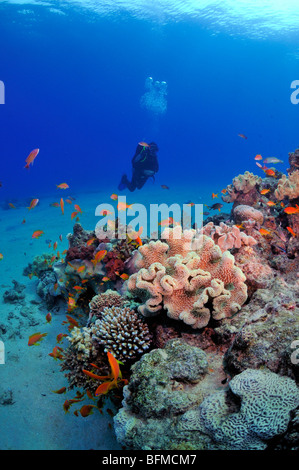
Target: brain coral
243,213
288,186
227,237
266,402
189,277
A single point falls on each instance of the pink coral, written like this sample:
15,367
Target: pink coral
227,237
189,277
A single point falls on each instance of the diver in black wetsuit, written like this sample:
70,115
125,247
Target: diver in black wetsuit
145,165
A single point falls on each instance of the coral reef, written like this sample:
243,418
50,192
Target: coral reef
288,186
172,401
121,332
271,313
293,161
243,190
189,277
243,213
110,298
266,402
227,237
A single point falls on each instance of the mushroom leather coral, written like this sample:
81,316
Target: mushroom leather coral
189,277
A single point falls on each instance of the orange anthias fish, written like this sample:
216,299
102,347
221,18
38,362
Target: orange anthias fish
164,186
12,206
78,208
60,337
265,191
122,206
37,234
292,210
98,257
31,157
115,376
62,205
271,203
36,338
74,214
62,186
270,172
214,195
258,157
60,391
33,204
57,353
114,196
124,276
71,304
264,232
86,410
55,204
291,231
143,144
90,241
166,222
243,136
49,317
224,191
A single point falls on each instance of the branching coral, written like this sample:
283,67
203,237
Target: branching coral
189,277
227,237
110,298
288,186
121,332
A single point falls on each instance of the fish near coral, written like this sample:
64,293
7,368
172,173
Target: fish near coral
270,172
291,231
36,338
57,353
264,232
292,210
60,391
100,255
86,410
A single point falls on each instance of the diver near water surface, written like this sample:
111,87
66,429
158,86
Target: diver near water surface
144,165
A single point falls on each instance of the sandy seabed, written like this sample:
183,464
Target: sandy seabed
31,415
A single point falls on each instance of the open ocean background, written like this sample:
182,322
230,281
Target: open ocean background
74,74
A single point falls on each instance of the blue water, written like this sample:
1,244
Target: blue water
74,74
73,87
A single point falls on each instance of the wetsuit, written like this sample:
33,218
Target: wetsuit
145,165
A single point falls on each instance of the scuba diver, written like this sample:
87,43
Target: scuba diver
144,164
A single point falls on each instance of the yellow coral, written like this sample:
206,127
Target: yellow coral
288,186
192,279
